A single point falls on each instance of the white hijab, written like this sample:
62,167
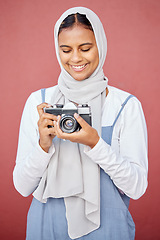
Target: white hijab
71,174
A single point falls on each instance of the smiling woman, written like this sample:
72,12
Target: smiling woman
81,186
78,51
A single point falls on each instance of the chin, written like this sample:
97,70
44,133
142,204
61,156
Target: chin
80,78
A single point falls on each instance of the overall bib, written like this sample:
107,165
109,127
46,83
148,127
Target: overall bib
47,221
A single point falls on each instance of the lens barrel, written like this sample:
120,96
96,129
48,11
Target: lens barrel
68,124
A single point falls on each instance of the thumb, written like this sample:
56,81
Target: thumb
81,121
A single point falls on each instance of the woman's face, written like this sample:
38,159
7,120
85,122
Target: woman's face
78,52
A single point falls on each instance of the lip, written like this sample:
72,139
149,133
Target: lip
78,68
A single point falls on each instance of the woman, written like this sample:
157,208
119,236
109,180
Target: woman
82,181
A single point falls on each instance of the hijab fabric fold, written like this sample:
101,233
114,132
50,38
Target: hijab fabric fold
70,173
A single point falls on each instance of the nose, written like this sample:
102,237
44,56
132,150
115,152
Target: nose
76,56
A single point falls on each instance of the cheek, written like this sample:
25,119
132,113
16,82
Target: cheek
95,60
63,58
94,57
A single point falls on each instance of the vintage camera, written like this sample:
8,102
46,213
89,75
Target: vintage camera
68,123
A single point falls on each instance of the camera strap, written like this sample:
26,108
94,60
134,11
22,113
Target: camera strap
43,92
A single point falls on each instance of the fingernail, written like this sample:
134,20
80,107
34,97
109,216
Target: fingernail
49,105
76,115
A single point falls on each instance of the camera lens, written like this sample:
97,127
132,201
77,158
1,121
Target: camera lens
68,124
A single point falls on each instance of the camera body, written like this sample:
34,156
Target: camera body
68,123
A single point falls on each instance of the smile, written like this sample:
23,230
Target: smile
78,68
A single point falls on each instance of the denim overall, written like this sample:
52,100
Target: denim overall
47,221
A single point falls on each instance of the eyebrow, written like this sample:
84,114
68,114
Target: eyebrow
83,44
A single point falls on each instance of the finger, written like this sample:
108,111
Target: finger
59,132
47,123
51,131
41,106
46,117
49,116
63,135
81,121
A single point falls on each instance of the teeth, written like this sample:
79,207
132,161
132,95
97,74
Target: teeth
79,67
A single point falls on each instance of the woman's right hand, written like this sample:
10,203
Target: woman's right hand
46,134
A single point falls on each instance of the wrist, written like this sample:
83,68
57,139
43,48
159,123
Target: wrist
93,144
44,148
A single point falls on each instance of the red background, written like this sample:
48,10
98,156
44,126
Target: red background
28,63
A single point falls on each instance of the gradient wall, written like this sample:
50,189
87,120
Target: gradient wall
28,63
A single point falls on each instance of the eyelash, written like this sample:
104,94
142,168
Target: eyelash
86,50
68,51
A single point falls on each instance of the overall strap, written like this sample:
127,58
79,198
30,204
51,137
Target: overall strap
123,105
43,91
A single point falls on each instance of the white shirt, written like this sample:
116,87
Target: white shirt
125,161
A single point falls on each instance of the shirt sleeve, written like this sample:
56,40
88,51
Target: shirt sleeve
127,167
31,161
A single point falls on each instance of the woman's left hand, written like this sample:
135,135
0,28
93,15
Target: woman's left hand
87,135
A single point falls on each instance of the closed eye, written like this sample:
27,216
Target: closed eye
66,51
65,48
85,50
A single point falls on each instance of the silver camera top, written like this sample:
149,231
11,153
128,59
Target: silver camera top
84,109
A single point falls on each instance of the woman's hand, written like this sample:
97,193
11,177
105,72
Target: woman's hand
46,134
87,135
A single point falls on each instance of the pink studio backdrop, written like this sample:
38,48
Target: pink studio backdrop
28,63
